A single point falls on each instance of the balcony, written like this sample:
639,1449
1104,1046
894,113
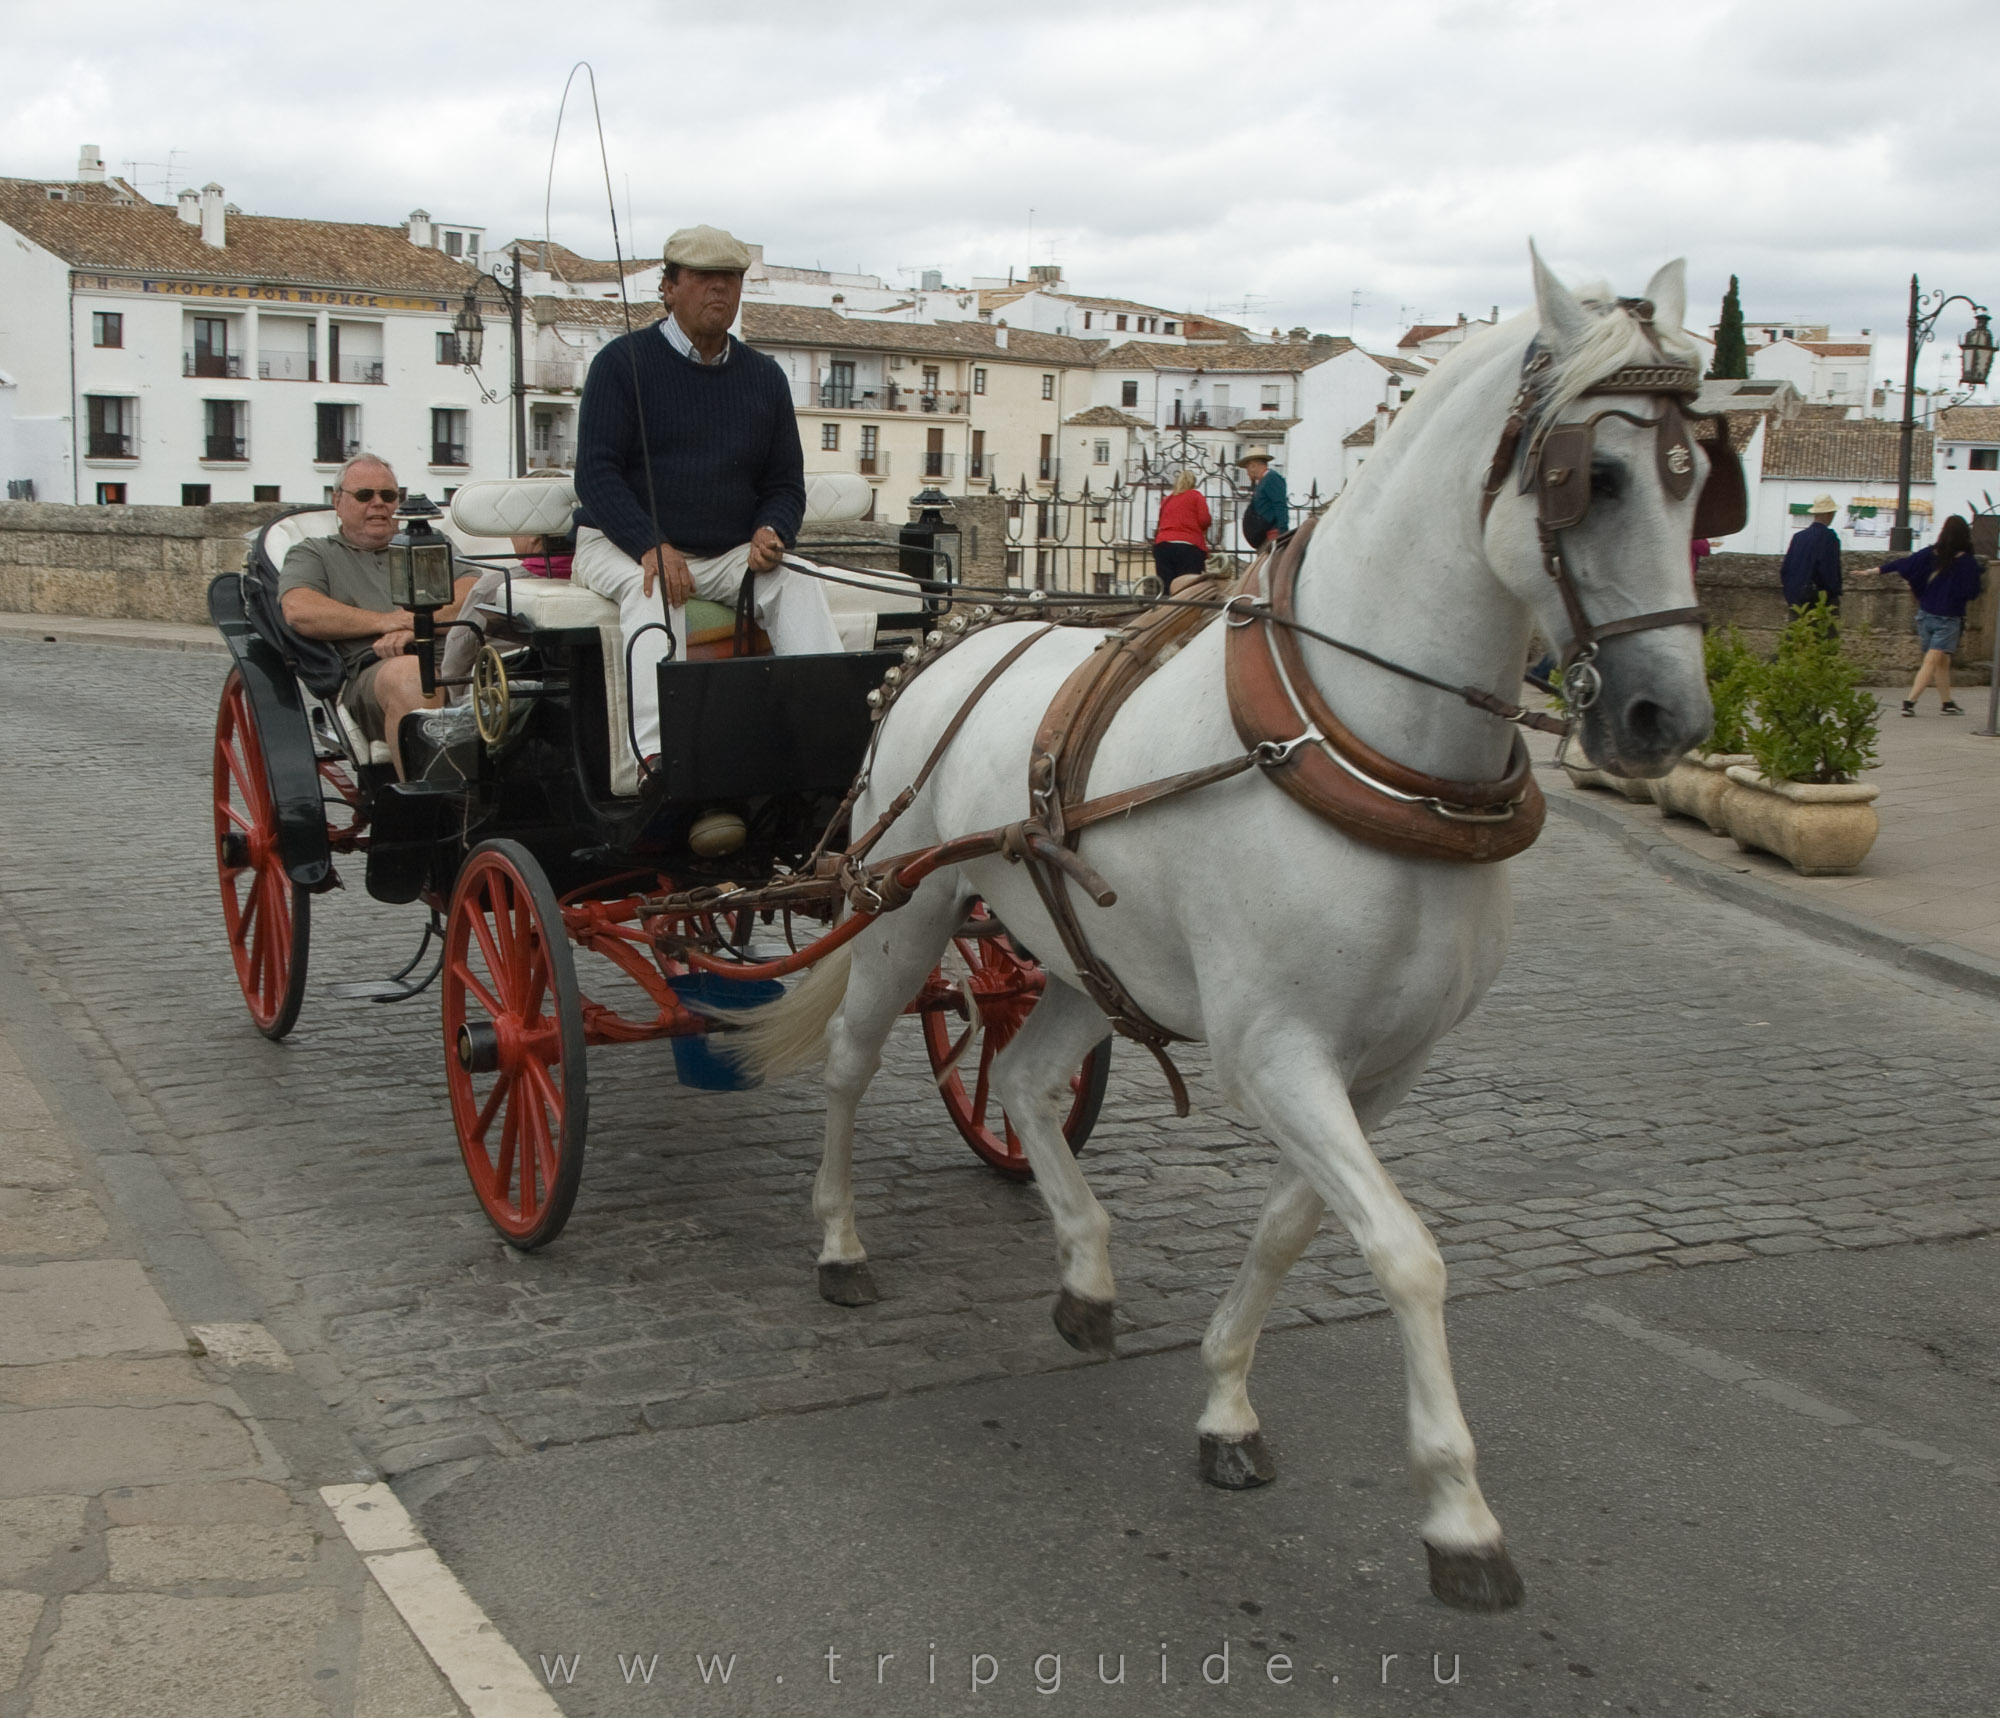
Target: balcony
836,396
334,452
557,456
225,447
554,375
448,453
194,363
946,401
287,367
107,445
359,372
938,464
873,464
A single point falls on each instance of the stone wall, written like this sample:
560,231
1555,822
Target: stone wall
1876,613
981,521
124,563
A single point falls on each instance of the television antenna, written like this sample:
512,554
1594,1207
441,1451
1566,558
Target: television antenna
169,170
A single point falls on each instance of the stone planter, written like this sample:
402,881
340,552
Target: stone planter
1695,786
1821,829
1583,773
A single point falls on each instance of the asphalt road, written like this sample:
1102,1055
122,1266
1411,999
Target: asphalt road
653,1436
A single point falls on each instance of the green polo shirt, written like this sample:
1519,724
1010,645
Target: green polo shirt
336,568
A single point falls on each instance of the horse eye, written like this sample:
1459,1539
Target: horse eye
1607,480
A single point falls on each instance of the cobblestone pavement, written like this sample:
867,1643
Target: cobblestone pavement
1656,1081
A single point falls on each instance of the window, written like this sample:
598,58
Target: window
224,429
1086,319
336,433
1048,387
1101,453
837,391
107,328
930,378
111,495
447,347
264,492
829,437
1840,381
1048,461
454,244
1121,325
979,381
934,462
448,437
211,355
1169,327
1270,400
978,453
112,423
194,494
1984,459
872,465
1128,393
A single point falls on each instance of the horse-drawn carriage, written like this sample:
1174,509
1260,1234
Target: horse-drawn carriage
528,831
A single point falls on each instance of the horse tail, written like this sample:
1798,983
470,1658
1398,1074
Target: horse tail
784,1036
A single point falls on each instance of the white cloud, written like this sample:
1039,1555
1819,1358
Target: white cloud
1189,154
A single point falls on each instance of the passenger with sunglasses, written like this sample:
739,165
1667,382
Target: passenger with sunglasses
337,588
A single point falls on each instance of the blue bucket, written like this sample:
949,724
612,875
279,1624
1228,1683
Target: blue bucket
706,1063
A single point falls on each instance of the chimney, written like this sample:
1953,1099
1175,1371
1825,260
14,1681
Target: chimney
1000,334
189,207
90,164
212,222
419,229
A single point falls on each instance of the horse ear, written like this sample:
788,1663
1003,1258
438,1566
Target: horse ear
1563,317
1668,291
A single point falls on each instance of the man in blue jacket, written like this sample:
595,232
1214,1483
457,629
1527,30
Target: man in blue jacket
689,472
1812,563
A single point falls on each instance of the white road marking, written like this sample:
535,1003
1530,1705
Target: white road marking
1727,1370
484,1671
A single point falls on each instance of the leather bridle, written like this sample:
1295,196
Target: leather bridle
1556,467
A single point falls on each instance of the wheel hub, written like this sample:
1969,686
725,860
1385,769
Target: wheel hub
478,1047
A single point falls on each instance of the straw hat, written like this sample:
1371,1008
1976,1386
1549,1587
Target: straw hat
1262,453
708,248
1825,504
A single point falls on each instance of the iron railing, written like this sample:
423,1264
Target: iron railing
872,464
362,372
224,447
287,367
196,363
448,453
109,444
333,452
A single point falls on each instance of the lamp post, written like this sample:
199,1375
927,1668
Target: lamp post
469,330
1975,361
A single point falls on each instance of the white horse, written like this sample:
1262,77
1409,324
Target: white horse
1320,971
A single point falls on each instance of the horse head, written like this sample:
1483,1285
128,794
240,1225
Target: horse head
1593,506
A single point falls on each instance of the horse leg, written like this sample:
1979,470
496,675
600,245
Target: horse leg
1233,1455
890,962
1031,1078
1302,1100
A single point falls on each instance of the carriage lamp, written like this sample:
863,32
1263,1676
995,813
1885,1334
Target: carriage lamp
421,577
932,544
469,330
1975,353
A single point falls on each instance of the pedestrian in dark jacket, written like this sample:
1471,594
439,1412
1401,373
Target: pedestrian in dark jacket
1944,578
1812,563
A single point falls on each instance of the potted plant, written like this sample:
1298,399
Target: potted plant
1695,786
1812,734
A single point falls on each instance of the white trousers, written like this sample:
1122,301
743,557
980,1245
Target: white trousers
790,607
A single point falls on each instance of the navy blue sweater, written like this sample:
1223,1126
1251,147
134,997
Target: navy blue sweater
723,441
1944,594
1811,565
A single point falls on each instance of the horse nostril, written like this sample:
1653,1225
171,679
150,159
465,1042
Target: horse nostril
1650,726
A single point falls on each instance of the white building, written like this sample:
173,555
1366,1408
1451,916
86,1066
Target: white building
193,354
1825,372
1968,461
1790,464
1345,401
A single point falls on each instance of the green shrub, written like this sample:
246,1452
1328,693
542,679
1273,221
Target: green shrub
1812,720
1732,677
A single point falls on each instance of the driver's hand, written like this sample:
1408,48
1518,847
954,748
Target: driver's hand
394,642
669,564
767,549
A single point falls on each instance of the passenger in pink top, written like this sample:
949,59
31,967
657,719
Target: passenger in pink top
1180,545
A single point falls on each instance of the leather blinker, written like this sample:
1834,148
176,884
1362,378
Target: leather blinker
1673,449
1563,476
1723,505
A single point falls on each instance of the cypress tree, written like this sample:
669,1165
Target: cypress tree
1732,358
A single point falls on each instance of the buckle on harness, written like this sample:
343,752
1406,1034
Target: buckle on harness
1271,753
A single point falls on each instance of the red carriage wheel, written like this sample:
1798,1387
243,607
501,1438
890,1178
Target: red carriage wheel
513,1043
1003,985
267,915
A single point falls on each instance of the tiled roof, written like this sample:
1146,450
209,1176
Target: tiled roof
1363,437
797,325
1863,450
565,264
1969,423
1834,350
1401,366
95,232
1742,426
1422,332
1293,355
594,312
1108,417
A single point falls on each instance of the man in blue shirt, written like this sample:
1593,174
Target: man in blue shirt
689,472
1812,563
1268,498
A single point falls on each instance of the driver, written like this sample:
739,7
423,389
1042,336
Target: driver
337,588
689,472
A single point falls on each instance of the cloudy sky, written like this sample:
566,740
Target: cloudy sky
1283,156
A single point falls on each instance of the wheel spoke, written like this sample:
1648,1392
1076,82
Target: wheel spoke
987,1051
495,966
503,1164
480,994
484,1119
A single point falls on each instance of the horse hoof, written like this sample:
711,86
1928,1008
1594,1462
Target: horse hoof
1085,1324
1475,1580
1237,1464
848,1284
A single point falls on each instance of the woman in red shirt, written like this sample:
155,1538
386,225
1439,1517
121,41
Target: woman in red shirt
1180,545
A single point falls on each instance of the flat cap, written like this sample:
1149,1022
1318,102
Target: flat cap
708,248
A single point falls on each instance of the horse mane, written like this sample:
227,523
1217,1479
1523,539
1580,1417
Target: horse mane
1615,338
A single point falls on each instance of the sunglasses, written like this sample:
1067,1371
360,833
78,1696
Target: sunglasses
366,495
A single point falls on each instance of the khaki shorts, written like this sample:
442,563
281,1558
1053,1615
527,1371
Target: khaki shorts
358,697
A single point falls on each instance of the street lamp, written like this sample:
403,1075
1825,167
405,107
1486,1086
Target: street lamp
421,577
469,330
1974,363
